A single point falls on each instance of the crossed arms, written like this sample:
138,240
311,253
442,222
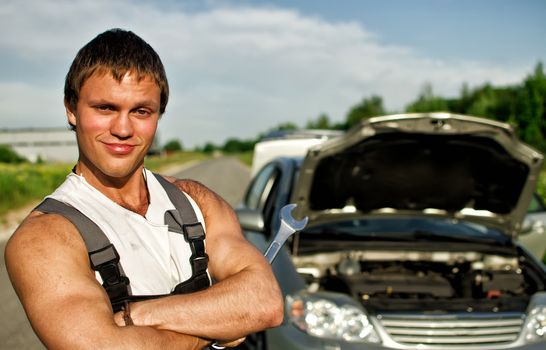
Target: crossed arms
49,267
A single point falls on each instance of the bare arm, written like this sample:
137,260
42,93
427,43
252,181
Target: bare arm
246,298
49,267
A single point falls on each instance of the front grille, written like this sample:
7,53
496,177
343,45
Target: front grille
452,330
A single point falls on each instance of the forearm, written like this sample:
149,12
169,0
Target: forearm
91,332
244,303
120,338
138,337
247,298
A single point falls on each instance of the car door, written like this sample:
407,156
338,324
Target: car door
533,236
258,204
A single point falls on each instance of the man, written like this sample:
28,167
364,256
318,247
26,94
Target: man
115,92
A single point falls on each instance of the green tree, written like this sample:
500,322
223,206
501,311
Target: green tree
209,147
531,109
462,104
427,102
492,102
8,155
368,107
234,145
173,146
279,129
287,126
322,122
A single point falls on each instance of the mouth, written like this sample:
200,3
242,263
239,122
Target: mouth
119,148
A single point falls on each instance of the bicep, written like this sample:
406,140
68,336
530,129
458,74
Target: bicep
48,265
229,252
229,255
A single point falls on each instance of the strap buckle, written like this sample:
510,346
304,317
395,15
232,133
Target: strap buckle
194,231
106,262
200,263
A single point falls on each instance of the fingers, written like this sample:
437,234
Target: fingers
229,343
118,319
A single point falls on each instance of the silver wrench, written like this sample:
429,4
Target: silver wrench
288,227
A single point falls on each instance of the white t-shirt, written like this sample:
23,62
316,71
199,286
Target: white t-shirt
154,259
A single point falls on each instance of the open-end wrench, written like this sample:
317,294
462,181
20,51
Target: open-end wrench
288,227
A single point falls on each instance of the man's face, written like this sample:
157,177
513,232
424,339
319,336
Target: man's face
115,123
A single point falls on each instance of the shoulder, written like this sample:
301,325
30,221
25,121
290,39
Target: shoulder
42,236
191,186
48,266
37,227
195,189
205,198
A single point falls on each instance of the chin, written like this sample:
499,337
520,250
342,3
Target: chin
120,171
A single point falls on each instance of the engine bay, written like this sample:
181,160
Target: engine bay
390,280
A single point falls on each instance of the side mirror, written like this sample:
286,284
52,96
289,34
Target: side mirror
251,219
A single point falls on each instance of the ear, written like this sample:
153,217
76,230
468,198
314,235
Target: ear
70,115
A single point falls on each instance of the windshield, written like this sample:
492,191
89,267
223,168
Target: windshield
404,229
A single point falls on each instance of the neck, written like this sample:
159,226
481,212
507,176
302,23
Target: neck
130,192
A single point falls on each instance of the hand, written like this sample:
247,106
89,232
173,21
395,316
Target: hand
118,319
221,344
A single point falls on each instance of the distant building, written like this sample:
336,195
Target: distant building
48,144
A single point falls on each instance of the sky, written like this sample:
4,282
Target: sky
238,68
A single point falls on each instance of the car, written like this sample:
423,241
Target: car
533,235
288,143
411,241
296,143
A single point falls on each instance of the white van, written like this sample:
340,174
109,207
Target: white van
288,143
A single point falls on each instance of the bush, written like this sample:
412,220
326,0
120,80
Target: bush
172,146
8,155
209,148
22,183
234,145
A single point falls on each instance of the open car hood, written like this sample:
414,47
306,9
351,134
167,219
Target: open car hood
421,164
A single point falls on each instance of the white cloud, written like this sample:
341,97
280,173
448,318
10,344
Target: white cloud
30,106
236,71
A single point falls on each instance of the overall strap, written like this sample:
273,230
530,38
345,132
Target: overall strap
102,254
104,257
184,220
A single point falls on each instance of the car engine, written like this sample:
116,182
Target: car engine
426,281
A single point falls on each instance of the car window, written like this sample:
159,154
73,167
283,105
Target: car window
261,187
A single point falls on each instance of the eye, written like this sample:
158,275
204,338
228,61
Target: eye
142,112
104,108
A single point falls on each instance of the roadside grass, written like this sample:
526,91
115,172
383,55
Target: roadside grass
20,184
245,157
159,162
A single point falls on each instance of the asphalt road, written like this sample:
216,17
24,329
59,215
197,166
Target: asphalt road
226,176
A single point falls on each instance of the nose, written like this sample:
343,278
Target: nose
122,126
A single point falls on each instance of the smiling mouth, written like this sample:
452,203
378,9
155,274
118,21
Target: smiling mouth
119,148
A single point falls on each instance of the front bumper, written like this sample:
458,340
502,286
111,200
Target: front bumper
287,337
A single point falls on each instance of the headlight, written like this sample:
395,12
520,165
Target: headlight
325,318
535,326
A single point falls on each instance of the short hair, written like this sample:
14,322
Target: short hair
118,52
